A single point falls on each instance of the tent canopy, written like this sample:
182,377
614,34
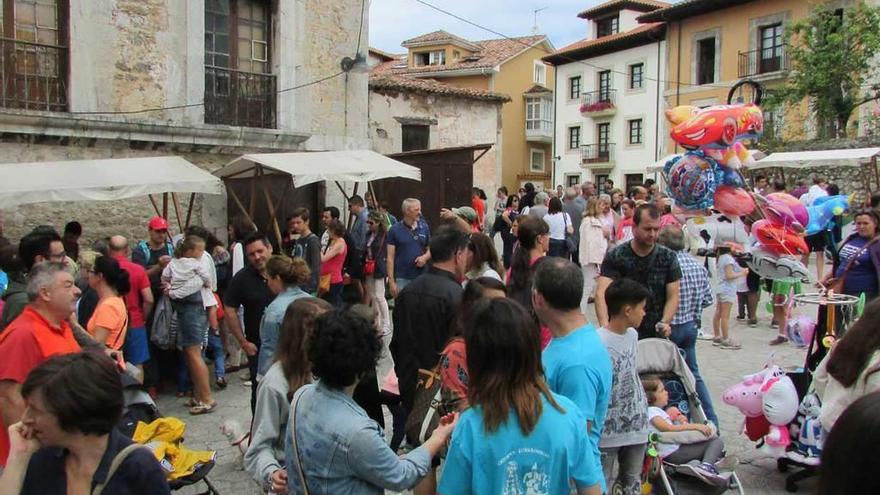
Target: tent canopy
101,180
832,158
309,167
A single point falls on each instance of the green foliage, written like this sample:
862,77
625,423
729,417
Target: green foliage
833,64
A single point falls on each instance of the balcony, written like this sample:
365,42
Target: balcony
768,63
237,98
540,131
31,76
600,103
600,155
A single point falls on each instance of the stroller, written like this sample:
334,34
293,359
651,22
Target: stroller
663,358
139,406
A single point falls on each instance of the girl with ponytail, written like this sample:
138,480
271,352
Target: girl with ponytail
109,322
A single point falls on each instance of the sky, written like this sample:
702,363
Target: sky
393,21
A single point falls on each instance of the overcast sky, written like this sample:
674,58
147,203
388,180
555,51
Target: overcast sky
393,21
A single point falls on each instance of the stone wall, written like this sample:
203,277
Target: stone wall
454,121
858,180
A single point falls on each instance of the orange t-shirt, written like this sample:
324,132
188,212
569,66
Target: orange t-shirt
112,315
28,341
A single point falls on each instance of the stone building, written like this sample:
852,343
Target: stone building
408,114
204,79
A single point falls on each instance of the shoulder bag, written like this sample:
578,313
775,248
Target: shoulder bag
425,416
370,261
837,284
114,466
302,474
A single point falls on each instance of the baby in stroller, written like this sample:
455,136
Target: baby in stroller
700,456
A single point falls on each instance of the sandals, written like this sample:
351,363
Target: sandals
191,402
202,408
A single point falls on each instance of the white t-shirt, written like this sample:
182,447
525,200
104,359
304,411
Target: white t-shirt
663,448
725,286
626,422
557,223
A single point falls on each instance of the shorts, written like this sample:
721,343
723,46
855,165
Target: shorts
726,297
782,289
753,281
192,324
817,242
136,348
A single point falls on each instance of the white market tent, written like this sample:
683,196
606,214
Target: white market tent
830,158
306,168
105,180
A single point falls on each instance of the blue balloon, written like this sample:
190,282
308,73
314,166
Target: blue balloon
692,179
823,211
731,177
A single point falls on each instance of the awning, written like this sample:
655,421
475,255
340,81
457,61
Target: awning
309,167
831,158
101,180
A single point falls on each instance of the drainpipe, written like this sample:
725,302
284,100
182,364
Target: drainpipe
657,115
553,180
678,75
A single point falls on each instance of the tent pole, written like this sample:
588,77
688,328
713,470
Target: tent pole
281,198
176,204
342,190
165,206
350,214
271,207
372,193
155,204
189,208
238,202
253,200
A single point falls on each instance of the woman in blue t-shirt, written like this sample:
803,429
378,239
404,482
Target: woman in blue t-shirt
858,259
517,437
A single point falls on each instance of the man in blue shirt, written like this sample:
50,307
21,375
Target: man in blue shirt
408,242
576,363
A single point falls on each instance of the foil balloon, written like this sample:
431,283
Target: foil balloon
769,266
717,229
719,126
733,201
823,211
692,179
798,210
778,240
800,330
732,177
734,157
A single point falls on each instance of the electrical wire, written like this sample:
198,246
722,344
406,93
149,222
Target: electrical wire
564,57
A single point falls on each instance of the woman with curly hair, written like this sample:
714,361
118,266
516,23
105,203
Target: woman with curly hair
291,369
285,275
333,446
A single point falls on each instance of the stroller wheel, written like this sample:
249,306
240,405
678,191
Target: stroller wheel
782,465
790,486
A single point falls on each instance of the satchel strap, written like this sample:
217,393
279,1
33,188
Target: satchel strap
302,474
852,261
114,466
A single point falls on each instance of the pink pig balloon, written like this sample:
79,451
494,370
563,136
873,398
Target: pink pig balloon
746,396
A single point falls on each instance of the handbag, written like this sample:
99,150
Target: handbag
370,262
302,474
424,417
324,284
837,284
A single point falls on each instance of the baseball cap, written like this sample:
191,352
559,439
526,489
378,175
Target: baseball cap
466,213
158,223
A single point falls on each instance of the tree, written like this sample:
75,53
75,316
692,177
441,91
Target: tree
833,63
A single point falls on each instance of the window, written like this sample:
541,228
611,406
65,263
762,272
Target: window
415,137
239,87
607,26
33,54
540,73
773,123
456,55
437,57
538,114
600,181
633,180
635,131
706,61
572,180
603,133
537,160
636,76
771,48
605,85
574,87
574,137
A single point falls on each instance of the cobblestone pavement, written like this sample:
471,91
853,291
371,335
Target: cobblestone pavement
720,368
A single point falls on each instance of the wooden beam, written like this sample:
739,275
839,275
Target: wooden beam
342,190
238,202
189,209
155,204
350,214
176,203
165,206
481,155
268,196
253,200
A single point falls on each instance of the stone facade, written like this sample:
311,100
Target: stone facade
454,121
860,181
131,56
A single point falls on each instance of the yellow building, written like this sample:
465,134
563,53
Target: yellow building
510,66
713,44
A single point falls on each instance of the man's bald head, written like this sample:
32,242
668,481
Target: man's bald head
118,245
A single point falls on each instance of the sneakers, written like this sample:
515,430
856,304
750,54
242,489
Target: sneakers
780,339
753,323
730,345
740,317
703,336
729,463
221,382
774,325
705,472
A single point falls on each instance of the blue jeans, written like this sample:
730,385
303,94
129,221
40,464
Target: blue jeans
685,337
219,353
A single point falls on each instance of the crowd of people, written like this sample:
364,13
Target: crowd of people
532,395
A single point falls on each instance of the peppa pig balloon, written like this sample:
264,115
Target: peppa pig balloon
733,201
692,179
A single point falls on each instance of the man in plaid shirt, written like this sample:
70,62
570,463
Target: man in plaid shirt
695,295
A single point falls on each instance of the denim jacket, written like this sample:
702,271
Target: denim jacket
343,450
270,326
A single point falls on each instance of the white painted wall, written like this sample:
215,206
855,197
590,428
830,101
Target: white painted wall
631,104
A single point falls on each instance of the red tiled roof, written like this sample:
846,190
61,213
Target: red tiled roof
382,54
688,8
616,5
607,44
428,86
537,89
492,53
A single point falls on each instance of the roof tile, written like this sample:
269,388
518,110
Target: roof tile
428,86
492,53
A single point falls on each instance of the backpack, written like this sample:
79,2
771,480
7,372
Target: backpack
164,329
144,248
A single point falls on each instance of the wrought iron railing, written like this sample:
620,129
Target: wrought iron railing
763,61
32,76
597,153
239,98
602,96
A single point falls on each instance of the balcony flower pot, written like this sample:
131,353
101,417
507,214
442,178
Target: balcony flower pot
599,106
